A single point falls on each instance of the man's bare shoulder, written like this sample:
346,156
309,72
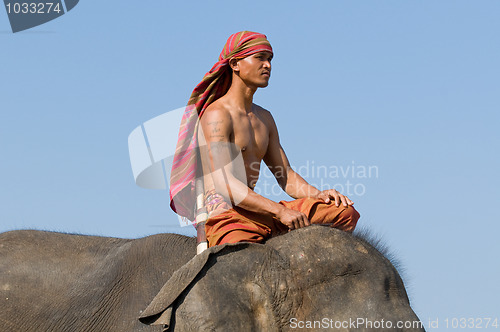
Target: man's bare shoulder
217,111
264,114
216,122
259,110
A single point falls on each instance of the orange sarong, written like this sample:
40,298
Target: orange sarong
228,224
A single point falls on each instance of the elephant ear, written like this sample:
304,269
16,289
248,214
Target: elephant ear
159,311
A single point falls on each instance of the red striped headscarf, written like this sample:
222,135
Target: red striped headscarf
214,85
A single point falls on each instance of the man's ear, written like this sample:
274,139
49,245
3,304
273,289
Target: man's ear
233,63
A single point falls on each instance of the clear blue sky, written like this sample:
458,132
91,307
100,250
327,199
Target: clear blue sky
409,88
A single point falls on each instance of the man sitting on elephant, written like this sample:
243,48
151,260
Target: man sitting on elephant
232,135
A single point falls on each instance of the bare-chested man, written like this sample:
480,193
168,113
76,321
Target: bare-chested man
235,135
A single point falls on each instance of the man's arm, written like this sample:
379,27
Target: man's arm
289,180
217,129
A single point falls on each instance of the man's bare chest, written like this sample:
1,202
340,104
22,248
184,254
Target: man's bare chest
251,135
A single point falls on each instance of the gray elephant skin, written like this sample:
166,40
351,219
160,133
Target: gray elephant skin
315,279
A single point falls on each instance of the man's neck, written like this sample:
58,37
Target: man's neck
241,95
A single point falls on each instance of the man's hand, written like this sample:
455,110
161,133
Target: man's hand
292,219
327,195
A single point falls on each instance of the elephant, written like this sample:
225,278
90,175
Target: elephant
315,278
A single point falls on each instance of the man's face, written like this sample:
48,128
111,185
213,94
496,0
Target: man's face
255,70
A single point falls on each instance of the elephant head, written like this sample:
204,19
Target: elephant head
315,277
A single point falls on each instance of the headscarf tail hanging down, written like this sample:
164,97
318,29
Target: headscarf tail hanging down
214,85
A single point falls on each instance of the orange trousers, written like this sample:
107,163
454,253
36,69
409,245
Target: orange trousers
232,225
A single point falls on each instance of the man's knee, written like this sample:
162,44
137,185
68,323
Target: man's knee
352,213
349,218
